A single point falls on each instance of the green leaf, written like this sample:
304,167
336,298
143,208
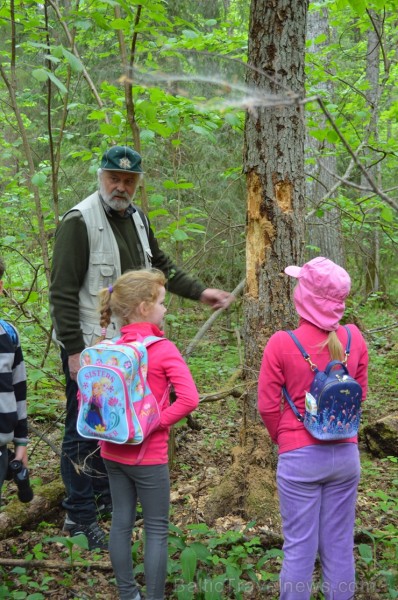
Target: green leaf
157,213
108,129
214,588
146,135
184,591
188,33
8,240
77,540
318,134
40,74
121,24
366,553
189,561
100,21
359,6
332,136
96,115
58,51
233,119
39,179
57,82
387,214
74,62
321,38
180,236
182,185
201,551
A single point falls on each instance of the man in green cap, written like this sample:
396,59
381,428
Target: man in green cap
97,240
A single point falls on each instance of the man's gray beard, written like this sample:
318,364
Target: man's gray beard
116,204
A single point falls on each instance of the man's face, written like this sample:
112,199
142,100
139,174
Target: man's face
117,188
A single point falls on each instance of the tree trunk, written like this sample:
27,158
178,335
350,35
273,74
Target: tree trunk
274,165
324,234
372,267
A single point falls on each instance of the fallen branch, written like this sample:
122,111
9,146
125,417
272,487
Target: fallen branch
42,436
384,328
54,564
17,515
236,392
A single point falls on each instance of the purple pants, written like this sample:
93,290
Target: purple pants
317,488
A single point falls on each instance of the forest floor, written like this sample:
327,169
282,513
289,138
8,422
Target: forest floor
32,567
202,458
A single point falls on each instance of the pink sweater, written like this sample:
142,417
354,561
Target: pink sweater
283,364
165,365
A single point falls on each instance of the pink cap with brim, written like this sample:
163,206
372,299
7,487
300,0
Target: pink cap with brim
322,289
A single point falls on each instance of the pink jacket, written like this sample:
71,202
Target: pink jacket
165,365
283,364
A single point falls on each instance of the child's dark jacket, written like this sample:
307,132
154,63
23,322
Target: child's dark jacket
13,409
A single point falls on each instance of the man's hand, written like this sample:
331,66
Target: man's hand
74,365
216,298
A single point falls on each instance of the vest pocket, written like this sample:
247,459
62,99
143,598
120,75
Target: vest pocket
102,272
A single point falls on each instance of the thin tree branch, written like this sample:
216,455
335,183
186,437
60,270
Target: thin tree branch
390,201
74,49
386,61
239,288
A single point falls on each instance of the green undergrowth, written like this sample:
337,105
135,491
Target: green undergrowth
205,564
209,564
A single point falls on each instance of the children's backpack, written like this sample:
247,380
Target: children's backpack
10,331
115,401
333,403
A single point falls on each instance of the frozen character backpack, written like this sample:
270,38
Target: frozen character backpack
115,401
333,403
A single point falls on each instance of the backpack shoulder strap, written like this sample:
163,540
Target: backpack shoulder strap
292,405
306,357
151,339
299,346
10,331
348,346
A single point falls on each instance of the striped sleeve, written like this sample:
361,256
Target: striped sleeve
13,406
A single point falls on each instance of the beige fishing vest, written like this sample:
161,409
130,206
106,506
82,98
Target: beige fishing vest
104,264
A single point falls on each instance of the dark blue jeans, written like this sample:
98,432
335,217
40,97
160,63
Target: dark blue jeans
82,468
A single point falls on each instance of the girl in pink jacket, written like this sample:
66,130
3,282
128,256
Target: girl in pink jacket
317,480
136,299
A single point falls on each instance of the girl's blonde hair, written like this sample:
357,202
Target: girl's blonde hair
334,345
123,297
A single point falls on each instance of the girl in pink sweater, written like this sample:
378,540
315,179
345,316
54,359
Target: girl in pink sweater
317,480
136,299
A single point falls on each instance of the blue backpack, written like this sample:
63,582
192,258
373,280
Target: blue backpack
333,403
10,331
115,401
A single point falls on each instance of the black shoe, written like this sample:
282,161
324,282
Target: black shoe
96,537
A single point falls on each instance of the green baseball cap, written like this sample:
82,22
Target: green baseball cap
121,158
